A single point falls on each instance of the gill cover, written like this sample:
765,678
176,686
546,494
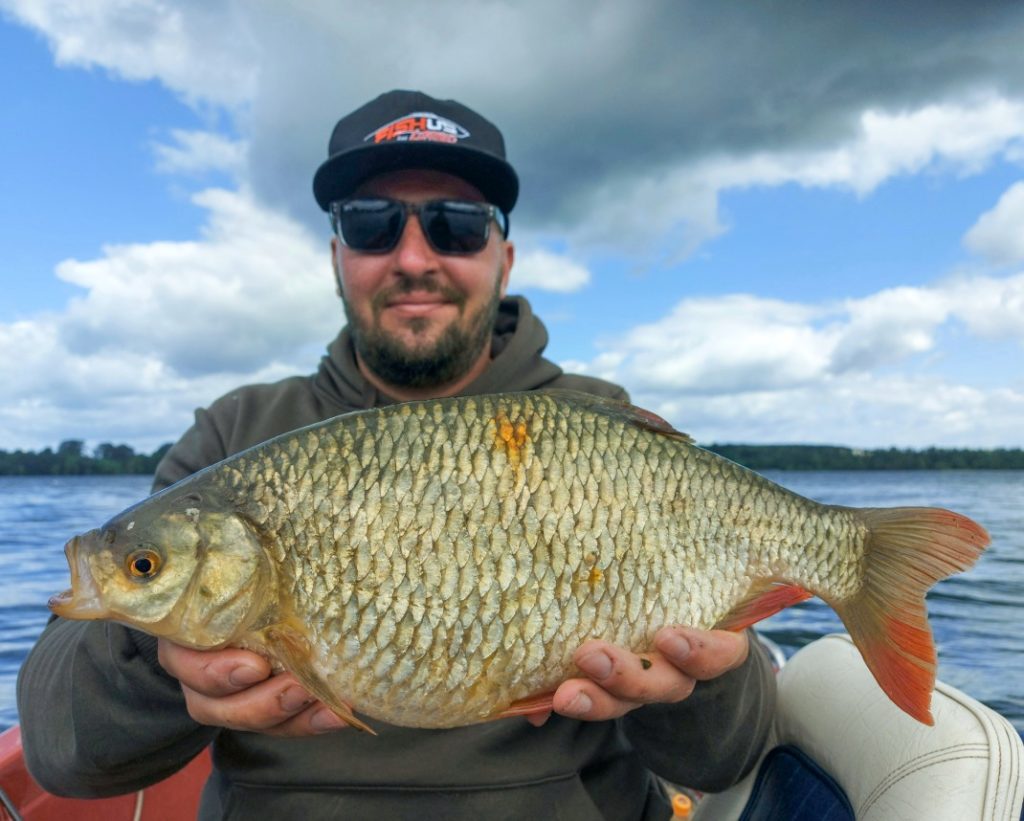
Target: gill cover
175,565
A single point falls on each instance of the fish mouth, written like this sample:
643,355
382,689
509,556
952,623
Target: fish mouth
82,600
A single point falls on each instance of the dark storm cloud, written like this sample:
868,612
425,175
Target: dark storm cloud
591,95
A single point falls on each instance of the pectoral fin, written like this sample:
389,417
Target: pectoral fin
289,642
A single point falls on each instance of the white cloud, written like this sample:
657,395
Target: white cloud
164,327
676,208
626,127
167,326
627,107
888,327
249,292
991,308
203,51
856,410
194,152
999,233
965,136
724,344
752,369
548,271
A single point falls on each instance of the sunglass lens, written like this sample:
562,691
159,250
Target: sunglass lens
456,227
371,225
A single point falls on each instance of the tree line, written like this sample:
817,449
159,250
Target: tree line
70,459
828,457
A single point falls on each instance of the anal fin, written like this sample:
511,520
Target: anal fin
762,601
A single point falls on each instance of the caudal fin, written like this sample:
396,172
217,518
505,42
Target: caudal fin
910,550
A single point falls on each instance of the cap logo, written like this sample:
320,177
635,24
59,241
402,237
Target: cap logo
421,126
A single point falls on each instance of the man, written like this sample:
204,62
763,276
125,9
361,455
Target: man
419,193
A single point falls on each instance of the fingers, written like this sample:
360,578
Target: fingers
277,706
640,678
617,680
212,672
580,698
234,689
703,654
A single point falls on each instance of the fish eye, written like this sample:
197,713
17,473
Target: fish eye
143,564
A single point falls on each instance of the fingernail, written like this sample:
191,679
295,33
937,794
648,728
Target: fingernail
596,665
580,705
324,721
245,676
676,647
294,699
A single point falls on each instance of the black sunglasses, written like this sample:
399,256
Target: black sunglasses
373,225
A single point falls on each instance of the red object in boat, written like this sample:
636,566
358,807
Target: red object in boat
173,799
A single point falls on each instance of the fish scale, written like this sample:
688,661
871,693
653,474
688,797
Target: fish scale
438,563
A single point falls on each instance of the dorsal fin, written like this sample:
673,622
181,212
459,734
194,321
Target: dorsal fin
649,420
616,408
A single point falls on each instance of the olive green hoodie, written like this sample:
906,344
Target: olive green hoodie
99,716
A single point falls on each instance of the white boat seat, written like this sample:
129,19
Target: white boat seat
890,767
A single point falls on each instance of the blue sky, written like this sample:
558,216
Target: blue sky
817,237
78,163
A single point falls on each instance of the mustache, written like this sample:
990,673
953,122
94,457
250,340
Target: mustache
421,285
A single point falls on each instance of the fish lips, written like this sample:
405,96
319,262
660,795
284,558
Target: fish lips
82,600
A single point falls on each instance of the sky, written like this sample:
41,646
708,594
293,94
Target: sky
780,222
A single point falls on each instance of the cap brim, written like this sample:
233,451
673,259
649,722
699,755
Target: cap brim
340,175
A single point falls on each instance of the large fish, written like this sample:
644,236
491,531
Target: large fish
437,563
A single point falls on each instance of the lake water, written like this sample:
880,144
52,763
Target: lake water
976,617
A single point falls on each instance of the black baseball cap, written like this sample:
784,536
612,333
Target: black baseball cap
409,129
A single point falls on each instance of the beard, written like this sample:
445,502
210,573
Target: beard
428,365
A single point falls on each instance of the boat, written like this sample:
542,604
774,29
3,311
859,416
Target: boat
839,750
22,799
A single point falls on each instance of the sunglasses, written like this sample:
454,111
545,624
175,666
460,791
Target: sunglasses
373,225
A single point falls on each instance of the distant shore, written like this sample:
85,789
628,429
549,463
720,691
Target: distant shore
831,457
70,459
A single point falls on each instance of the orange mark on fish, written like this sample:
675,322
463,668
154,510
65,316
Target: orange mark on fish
511,437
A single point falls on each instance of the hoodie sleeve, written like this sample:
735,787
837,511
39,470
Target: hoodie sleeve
98,714
712,739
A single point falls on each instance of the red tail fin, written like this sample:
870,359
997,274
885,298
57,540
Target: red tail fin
910,550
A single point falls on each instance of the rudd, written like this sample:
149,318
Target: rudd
437,563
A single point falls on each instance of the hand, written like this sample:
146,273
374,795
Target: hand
619,681
235,689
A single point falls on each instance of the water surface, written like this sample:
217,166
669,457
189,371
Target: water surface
976,617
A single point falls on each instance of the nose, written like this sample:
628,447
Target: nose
413,253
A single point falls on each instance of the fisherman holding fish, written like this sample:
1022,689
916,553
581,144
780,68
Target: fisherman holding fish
419,192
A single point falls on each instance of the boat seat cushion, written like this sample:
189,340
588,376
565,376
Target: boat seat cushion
890,767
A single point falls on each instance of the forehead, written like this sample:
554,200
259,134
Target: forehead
418,184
